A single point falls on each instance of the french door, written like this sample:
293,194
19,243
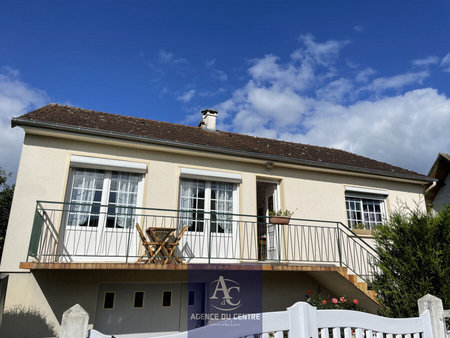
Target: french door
207,207
100,218
273,231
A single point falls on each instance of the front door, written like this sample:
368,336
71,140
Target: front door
100,218
208,207
272,229
268,234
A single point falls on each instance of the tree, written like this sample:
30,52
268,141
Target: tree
414,259
6,195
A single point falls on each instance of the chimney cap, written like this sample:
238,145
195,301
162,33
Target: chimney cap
211,111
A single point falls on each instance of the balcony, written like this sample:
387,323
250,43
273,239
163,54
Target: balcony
70,233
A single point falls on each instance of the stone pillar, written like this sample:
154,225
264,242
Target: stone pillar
74,323
434,305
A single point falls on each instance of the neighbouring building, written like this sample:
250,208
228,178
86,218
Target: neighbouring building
438,193
86,178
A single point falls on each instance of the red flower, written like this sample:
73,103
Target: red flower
355,301
324,301
342,299
334,300
309,292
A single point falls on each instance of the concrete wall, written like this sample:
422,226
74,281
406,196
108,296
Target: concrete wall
45,295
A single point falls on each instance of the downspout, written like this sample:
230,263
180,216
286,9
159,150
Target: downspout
430,187
429,204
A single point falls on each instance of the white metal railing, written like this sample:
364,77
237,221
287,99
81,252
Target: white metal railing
110,236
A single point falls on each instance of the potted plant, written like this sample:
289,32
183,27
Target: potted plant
362,230
280,216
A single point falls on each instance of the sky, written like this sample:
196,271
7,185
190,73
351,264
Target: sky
369,77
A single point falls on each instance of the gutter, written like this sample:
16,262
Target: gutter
96,132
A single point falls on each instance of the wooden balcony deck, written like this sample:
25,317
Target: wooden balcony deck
313,269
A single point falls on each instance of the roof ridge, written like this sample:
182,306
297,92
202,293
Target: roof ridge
121,115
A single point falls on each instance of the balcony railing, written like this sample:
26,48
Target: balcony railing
73,232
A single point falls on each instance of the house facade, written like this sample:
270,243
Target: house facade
87,178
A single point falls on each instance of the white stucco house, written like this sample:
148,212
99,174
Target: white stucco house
86,178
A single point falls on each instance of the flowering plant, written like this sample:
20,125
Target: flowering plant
331,303
281,213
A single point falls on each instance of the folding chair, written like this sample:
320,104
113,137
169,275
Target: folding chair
146,244
173,245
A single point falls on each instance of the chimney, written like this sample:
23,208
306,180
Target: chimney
208,121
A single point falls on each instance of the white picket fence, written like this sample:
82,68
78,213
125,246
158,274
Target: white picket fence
304,321
301,320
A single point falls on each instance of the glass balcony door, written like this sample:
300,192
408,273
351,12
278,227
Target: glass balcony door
99,222
208,207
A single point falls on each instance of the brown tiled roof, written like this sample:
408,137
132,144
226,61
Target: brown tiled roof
84,120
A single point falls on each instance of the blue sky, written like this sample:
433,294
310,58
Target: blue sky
368,77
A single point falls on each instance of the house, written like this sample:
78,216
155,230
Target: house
438,193
86,178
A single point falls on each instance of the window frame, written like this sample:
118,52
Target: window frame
352,223
105,194
134,300
114,300
207,219
192,292
162,298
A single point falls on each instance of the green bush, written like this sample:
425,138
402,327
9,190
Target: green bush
414,259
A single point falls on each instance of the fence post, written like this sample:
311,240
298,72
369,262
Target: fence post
74,323
434,305
302,320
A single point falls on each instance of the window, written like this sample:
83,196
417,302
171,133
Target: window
108,301
205,200
365,211
191,298
138,299
167,298
90,189
87,186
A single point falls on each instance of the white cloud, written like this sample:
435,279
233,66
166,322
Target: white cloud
336,90
186,96
321,53
219,75
16,98
398,81
216,73
407,130
364,75
210,63
169,58
445,63
305,100
300,72
358,28
429,60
